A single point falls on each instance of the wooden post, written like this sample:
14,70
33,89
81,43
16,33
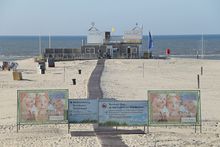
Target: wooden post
74,81
201,70
18,119
201,128
64,73
68,127
195,128
198,80
200,111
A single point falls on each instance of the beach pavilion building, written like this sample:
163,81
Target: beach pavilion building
102,45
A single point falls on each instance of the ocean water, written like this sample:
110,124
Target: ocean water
186,46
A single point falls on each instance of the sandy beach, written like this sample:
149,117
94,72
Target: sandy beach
122,80
43,135
135,77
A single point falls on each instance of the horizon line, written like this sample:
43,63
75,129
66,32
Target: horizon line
84,35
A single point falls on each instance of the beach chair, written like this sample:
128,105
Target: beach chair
13,66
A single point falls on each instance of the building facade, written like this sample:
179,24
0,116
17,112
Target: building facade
103,45
106,46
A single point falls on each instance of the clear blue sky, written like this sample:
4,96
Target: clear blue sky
73,17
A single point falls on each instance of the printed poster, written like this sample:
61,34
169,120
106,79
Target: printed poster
42,106
83,111
123,113
174,107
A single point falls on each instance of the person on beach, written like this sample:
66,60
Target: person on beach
168,52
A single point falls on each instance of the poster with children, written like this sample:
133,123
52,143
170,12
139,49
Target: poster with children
174,106
42,106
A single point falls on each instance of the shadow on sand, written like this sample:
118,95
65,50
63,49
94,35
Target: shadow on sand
27,80
106,132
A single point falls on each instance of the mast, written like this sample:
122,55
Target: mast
202,47
40,45
49,41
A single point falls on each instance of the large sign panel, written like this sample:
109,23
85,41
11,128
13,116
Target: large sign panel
42,106
174,107
83,111
123,113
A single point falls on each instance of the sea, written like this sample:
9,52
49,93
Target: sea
181,46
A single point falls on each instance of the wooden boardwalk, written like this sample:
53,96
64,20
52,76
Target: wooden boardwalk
110,139
94,87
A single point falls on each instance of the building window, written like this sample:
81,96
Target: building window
90,50
134,50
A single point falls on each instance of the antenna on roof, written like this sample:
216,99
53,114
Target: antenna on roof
135,26
93,27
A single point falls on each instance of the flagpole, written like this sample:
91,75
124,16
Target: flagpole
202,47
40,52
148,53
49,41
150,44
148,49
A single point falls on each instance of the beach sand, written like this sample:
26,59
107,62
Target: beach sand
43,135
135,77
122,80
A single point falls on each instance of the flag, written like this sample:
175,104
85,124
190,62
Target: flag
150,42
113,29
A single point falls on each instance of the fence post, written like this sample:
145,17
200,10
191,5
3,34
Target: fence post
201,70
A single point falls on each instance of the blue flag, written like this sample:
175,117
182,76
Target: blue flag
150,42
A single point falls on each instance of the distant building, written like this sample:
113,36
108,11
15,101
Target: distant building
106,46
62,54
94,36
103,45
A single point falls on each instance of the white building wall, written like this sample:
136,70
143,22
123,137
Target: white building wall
134,36
95,37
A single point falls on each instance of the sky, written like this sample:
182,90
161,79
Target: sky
74,17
